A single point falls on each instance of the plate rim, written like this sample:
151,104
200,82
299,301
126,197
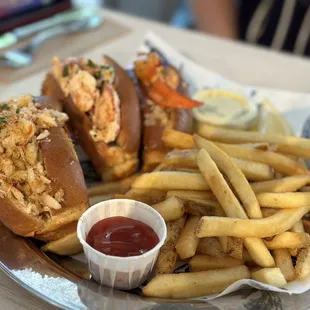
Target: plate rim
31,290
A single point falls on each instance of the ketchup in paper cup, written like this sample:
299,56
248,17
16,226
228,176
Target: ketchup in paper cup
121,268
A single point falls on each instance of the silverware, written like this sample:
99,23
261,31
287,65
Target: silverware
23,57
12,37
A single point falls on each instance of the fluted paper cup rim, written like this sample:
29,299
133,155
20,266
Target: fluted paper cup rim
128,258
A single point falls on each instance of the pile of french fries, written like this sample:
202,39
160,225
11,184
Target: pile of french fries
236,207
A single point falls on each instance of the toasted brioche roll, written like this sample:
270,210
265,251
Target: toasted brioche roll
42,187
157,118
103,108
59,233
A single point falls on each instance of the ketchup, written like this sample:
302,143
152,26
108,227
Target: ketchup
122,236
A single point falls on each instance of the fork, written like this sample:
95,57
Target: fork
24,56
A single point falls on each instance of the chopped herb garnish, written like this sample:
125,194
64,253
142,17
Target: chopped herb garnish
17,110
91,64
105,66
4,106
3,120
97,75
65,71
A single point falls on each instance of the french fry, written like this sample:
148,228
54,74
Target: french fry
260,146
188,241
218,185
68,245
186,285
259,252
167,256
283,261
269,211
302,267
118,187
146,192
298,227
210,246
295,146
293,252
235,247
206,195
171,180
146,195
246,256
152,193
96,199
160,167
202,262
289,240
170,209
178,140
280,163
271,276
253,171
181,158
191,170
284,200
243,228
287,184
163,167
232,208
234,175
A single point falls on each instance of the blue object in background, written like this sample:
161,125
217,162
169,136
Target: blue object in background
182,18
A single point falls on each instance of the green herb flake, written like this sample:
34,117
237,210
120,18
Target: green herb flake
105,66
91,64
4,106
17,110
3,121
65,71
97,75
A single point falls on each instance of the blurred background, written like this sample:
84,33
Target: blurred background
277,24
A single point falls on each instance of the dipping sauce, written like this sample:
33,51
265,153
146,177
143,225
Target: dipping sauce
225,108
122,236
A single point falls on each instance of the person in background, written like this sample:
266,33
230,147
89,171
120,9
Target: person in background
279,24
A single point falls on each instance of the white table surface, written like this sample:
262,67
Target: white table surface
236,61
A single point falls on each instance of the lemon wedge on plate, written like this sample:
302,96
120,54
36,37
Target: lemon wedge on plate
271,121
225,108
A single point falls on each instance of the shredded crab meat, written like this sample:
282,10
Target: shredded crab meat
23,177
44,134
91,89
156,113
106,117
83,91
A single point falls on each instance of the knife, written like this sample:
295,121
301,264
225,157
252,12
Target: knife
12,37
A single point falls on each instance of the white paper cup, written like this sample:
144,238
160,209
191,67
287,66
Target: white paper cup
121,272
